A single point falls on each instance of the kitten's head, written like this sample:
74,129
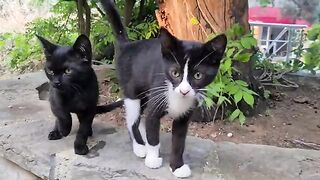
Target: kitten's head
67,67
190,66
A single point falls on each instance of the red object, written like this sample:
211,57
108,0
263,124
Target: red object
272,15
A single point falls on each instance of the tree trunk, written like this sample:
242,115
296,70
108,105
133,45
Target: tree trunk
84,23
197,19
128,8
141,10
88,18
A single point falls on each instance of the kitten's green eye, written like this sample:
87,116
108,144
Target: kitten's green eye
67,71
197,75
50,72
175,73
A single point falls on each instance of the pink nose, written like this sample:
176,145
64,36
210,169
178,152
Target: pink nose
184,92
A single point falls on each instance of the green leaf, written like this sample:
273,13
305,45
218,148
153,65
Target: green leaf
209,102
248,98
245,57
234,89
242,118
226,66
230,52
148,35
220,100
241,83
245,42
248,41
238,96
249,91
234,114
2,43
231,88
194,21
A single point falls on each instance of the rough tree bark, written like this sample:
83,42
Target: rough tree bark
214,17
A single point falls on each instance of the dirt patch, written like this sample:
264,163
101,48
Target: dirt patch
293,114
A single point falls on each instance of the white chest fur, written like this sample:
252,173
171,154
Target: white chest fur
178,105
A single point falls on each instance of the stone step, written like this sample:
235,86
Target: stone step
24,142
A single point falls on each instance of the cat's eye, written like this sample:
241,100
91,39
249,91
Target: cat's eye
175,73
50,72
197,75
67,71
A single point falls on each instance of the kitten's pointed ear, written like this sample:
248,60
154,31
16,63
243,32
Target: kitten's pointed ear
82,46
168,41
48,47
217,44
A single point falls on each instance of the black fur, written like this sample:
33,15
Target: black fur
73,89
148,64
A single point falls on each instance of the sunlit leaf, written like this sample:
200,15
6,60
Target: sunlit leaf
194,21
242,118
248,98
238,96
234,114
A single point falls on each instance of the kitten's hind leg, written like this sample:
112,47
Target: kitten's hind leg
85,130
133,110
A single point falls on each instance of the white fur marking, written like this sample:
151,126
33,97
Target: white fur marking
142,129
182,172
139,149
132,107
182,98
153,160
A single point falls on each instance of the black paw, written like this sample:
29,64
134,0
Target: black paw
81,149
65,131
54,135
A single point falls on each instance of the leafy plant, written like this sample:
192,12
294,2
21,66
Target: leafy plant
312,53
22,51
225,89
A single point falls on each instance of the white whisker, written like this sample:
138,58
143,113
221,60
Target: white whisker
175,58
204,58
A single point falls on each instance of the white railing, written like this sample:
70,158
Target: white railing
276,41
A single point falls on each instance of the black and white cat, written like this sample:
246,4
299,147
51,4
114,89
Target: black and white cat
73,89
167,76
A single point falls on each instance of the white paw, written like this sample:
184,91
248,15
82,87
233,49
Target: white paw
139,150
182,172
153,162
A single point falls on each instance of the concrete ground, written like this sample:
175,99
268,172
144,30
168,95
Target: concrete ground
25,122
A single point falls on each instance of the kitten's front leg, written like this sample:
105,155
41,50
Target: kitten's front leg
153,144
62,126
179,133
85,130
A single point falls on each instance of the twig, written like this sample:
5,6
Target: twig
215,113
310,145
99,62
64,26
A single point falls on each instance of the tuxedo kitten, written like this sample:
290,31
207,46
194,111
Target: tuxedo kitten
73,89
164,76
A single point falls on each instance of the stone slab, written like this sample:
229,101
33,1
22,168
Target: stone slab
25,122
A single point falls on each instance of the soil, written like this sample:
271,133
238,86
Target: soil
293,116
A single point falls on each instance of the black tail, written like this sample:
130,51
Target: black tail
115,20
109,107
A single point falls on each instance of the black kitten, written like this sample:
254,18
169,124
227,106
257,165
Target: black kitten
73,89
168,76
